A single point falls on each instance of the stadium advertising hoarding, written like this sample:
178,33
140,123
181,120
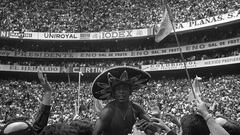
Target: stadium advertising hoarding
4,34
21,68
88,69
192,64
210,21
22,35
149,68
206,22
59,36
141,53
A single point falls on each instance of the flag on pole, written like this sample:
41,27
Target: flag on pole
195,94
165,27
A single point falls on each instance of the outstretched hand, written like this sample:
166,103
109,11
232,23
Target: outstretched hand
173,119
43,79
146,126
160,124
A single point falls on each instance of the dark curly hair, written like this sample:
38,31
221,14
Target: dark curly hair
194,124
84,127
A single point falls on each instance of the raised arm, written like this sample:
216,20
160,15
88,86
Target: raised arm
214,128
44,111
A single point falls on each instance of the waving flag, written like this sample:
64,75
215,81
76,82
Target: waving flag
195,94
165,27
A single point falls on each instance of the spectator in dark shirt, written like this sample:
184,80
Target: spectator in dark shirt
24,128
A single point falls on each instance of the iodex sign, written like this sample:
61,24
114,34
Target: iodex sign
117,34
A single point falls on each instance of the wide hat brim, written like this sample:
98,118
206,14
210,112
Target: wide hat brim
104,83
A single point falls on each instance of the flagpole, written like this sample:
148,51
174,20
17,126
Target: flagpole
180,49
79,87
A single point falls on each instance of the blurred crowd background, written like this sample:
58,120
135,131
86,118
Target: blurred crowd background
21,98
102,15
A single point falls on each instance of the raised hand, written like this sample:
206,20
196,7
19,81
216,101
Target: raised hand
44,82
173,119
160,124
146,126
202,109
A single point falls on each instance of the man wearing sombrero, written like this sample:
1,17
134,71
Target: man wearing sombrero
119,116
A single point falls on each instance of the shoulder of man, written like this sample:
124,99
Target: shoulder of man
108,109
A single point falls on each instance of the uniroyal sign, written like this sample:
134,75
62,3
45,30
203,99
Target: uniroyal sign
59,36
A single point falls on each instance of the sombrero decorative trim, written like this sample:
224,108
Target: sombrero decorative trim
104,83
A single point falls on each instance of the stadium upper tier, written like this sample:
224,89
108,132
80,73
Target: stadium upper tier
101,15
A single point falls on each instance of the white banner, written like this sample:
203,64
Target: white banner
210,21
59,36
156,67
193,64
127,54
19,68
23,35
115,34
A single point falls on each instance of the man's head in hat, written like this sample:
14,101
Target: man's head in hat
118,83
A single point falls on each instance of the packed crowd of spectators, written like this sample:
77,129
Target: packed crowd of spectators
21,98
137,62
101,15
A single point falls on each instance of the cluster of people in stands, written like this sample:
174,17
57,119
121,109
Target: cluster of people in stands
101,15
21,98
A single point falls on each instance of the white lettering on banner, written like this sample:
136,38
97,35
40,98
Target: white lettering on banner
117,34
85,36
89,69
4,34
61,35
44,54
17,34
128,54
34,68
228,60
6,53
4,67
168,66
193,64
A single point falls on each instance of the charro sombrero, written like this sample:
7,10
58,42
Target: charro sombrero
103,84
